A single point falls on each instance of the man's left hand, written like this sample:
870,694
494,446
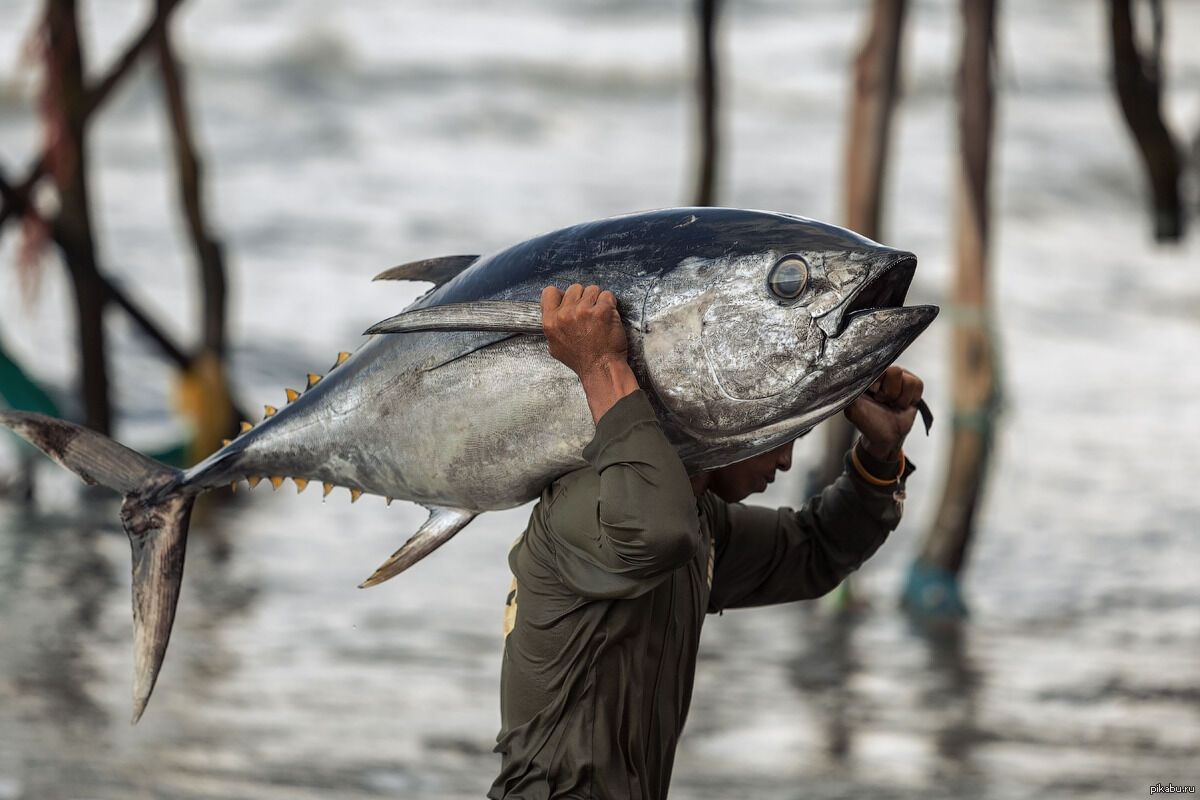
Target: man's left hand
884,414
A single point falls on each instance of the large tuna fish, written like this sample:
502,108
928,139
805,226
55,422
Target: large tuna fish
746,329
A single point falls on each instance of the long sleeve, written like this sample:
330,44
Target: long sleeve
767,555
620,526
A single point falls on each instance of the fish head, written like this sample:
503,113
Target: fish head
752,347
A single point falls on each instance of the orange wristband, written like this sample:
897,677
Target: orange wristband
868,477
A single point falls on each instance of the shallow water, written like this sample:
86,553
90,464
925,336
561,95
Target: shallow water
341,141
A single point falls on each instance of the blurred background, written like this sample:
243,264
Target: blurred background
1049,556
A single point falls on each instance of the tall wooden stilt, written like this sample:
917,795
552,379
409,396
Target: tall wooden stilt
67,112
204,391
1137,78
933,588
707,102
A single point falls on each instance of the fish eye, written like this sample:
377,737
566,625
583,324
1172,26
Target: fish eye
788,277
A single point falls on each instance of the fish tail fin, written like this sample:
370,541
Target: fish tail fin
157,529
155,516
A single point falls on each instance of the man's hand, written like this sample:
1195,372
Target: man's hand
884,414
584,331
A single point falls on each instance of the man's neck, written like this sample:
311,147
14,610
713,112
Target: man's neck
700,483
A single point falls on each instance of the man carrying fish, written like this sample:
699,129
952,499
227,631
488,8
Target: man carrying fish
622,559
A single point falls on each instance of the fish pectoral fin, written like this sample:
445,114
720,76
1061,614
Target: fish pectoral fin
442,524
507,316
435,270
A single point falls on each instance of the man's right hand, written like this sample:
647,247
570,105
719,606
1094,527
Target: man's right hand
584,331
885,413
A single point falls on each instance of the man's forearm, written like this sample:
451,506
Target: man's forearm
606,383
779,555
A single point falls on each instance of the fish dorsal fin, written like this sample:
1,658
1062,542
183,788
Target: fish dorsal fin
435,270
442,524
505,316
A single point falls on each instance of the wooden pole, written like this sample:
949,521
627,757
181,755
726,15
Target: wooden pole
204,391
932,588
876,80
707,102
1137,79
66,107
875,91
190,174
16,196
13,199
129,57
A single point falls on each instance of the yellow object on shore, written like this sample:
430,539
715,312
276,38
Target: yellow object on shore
202,397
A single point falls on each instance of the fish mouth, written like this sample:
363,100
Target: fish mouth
872,339
886,289
874,328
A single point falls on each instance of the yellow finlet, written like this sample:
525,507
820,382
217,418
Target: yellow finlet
276,481
301,484
246,426
313,380
328,487
233,487
292,394
253,480
341,359
269,411
355,494
226,442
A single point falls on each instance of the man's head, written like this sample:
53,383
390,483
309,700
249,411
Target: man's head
738,481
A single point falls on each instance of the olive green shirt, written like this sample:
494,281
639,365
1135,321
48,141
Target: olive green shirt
612,581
